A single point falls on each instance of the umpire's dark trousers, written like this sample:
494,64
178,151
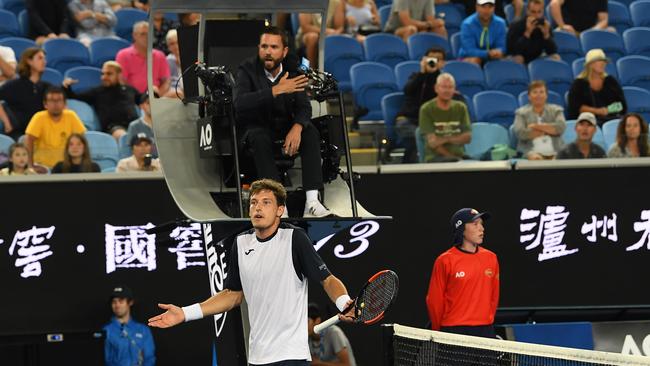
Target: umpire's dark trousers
259,143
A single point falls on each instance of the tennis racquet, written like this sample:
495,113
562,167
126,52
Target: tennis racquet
372,301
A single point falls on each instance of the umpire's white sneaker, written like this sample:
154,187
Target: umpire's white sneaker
316,209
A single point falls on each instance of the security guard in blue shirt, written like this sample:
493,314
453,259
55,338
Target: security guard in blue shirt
128,342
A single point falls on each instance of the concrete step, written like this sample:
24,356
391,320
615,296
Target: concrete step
364,156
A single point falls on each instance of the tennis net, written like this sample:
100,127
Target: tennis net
421,347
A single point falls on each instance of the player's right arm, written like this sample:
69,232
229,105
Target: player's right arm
220,303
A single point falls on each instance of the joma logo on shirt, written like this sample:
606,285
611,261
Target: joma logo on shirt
460,274
248,251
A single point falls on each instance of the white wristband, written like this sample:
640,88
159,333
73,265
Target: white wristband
341,301
192,312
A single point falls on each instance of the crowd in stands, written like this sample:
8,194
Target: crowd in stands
433,123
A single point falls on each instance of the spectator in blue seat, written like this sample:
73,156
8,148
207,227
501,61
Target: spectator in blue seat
483,35
539,125
361,18
114,102
408,17
595,91
7,64
583,147
419,89
23,96
577,16
48,19
93,19
76,157
144,124
531,37
518,6
444,123
18,161
631,138
141,160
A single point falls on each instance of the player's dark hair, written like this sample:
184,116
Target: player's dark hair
278,32
269,184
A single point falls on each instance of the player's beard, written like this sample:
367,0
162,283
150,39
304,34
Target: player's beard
274,66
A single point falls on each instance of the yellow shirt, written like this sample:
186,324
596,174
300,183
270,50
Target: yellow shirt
50,136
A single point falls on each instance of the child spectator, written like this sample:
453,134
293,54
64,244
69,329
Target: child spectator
76,157
18,161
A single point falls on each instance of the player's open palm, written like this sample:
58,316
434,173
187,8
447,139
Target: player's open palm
173,316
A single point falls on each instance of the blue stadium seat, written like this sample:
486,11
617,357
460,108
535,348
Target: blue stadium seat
63,54
52,76
579,64
123,147
509,10
18,44
295,23
403,70
495,107
640,13
341,52
609,132
609,42
103,149
86,114
469,77
88,77
569,135
553,98
637,41
419,144
626,2
384,13
105,49
568,46
370,82
454,40
618,16
419,43
512,136
381,3
386,48
470,108
8,24
390,106
507,76
23,23
14,6
126,17
556,74
484,136
634,71
5,142
638,101
452,15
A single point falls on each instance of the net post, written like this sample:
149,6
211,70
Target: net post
388,355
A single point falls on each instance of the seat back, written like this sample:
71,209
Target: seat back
370,82
553,98
469,77
452,16
484,136
618,16
18,44
454,40
103,149
403,70
9,24
609,131
637,41
23,23
609,42
384,13
568,46
123,147
64,54
640,13
496,107
5,142
87,77
385,48
341,52
506,76
419,43
634,71
14,6
105,49
52,76
556,74
390,106
126,17
638,101
86,114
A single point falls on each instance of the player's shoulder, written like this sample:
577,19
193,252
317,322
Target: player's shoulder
294,230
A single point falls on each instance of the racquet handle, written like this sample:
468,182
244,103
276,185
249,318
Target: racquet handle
326,324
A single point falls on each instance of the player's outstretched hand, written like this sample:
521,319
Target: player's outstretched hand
349,316
173,316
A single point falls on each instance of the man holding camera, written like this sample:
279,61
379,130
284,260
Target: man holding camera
141,160
530,37
271,107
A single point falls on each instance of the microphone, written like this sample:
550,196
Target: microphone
307,71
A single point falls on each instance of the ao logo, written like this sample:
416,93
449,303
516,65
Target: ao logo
217,270
631,347
206,135
460,274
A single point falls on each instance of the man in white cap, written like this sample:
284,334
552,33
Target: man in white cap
582,147
482,35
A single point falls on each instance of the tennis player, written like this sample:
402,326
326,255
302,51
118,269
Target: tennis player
464,287
269,266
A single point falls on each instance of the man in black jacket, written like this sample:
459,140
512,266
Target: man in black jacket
531,36
273,106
